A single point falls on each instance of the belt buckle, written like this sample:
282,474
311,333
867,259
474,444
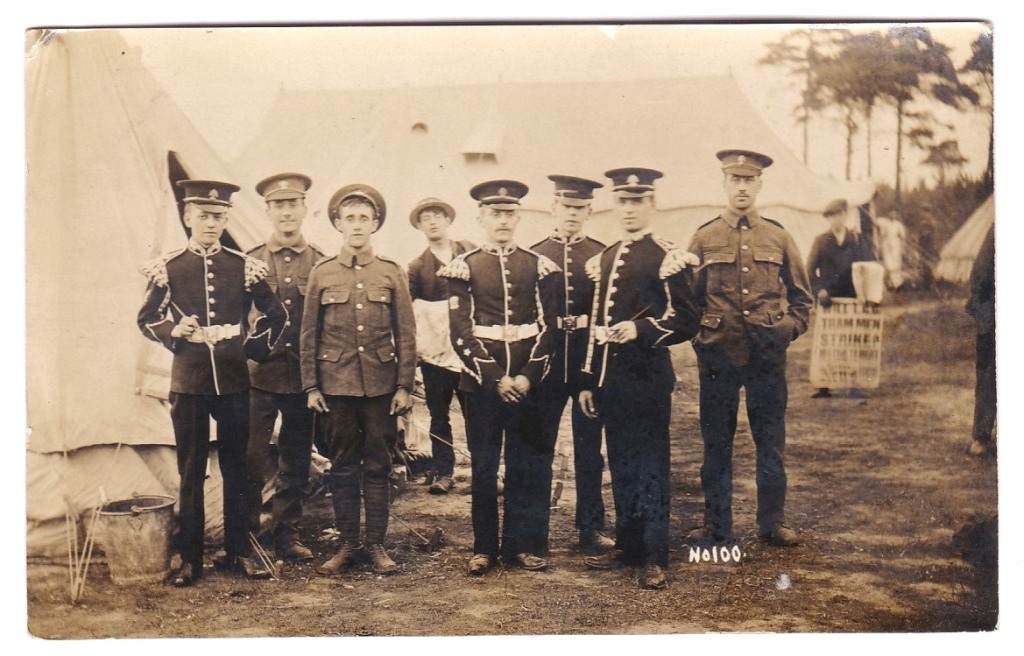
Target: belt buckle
510,332
569,323
214,334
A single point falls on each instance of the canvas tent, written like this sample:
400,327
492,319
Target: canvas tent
413,142
957,257
104,145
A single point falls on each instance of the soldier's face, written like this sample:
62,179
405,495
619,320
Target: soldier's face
207,227
570,218
434,223
356,222
836,221
634,214
499,225
741,191
287,215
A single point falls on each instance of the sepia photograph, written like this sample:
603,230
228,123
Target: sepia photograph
511,328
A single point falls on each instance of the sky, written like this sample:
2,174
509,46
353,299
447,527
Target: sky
250,67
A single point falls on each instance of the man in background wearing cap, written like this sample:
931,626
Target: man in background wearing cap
358,355
755,299
570,249
643,303
276,382
439,364
501,306
830,265
197,304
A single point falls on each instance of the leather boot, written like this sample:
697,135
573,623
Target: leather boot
380,560
341,561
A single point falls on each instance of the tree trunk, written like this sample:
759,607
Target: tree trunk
850,127
871,107
899,154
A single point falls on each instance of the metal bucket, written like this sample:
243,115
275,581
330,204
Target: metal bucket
136,537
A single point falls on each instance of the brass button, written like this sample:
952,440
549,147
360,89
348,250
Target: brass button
746,313
360,349
359,306
288,301
212,301
212,314
210,288
744,269
359,328
359,285
745,247
287,258
287,279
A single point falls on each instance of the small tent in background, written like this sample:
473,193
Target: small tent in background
105,145
959,253
413,142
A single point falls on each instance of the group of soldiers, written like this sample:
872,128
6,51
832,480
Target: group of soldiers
284,333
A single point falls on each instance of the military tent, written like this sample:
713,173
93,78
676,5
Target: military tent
105,145
957,257
413,142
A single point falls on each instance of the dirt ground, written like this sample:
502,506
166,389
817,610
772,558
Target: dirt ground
877,488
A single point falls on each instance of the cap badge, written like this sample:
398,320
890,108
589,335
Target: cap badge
633,179
282,184
742,159
503,192
213,194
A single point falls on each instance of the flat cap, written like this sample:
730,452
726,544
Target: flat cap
837,206
212,195
743,162
502,194
428,203
363,191
633,182
570,190
284,186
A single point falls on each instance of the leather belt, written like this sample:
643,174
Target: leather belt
509,333
573,323
214,334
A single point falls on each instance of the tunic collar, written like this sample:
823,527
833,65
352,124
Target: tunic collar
633,237
274,245
350,259
202,251
562,239
494,249
733,219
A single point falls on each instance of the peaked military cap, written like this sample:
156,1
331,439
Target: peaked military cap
743,162
365,192
501,194
633,182
577,192
837,206
428,203
284,186
211,195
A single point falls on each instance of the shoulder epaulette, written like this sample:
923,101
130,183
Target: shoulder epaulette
316,249
531,248
593,267
596,241
704,225
457,268
774,222
545,266
664,243
676,259
156,269
252,251
385,258
255,268
324,260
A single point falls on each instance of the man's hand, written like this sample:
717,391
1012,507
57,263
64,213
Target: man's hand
622,332
587,404
823,298
186,327
402,402
315,401
507,390
522,384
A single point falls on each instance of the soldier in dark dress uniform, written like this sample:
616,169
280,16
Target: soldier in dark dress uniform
570,249
358,353
276,382
643,303
755,299
438,363
501,304
197,304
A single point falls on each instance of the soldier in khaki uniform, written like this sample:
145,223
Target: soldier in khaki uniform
358,353
197,305
276,382
570,248
755,299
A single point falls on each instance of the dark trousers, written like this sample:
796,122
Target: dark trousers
190,417
362,440
294,447
637,431
529,453
720,383
440,385
588,462
985,386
